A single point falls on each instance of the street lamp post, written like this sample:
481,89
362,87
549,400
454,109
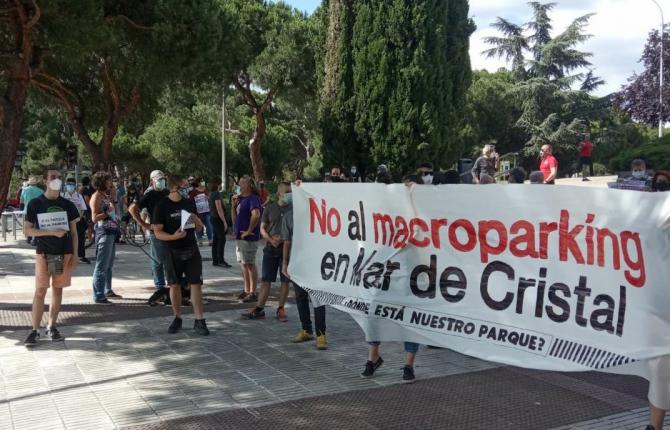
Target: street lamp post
660,75
223,139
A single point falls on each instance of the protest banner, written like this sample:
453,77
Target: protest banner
556,278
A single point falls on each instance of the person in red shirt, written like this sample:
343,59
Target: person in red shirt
585,151
548,164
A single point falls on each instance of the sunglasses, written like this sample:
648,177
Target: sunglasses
426,173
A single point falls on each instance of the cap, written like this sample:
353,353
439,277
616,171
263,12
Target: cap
156,174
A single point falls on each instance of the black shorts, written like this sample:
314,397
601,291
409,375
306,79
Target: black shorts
183,262
272,262
585,161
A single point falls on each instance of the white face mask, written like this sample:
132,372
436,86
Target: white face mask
428,179
637,174
55,185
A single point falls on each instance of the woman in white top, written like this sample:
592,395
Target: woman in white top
70,193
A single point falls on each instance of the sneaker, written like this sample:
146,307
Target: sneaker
113,295
408,374
370,367
226,265
251,298
32,338
200,327
585,180
650,427
303,336
157,296
103,302
85,260
175,326
255,314
242,295
281,314
53,334
321,343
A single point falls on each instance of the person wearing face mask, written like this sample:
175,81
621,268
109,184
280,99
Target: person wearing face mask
70,193
548,165
31,191
271,222
52,220
148,201
661,181
355,175
175,221
638,172
246,214
107,230
200,197
486,164
426,175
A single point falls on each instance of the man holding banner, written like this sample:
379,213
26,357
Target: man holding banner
51,219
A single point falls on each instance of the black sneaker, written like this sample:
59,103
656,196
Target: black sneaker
175,326
113,295
54,335
370,367
157,296
256,314
251,298
650,427
408,374
32,338
200,327
103,302
226,265
85,260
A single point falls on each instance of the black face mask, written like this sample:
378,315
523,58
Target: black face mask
335,179
663,186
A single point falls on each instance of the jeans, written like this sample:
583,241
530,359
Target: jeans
409,346
82,226
102,273
206,219
157,253
219,242
302,302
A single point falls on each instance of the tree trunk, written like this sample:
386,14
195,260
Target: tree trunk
16,93
11,122
255,146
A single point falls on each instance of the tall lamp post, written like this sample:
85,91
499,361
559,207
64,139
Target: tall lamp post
660,75
223,139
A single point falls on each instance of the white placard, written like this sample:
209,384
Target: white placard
186,222
53,221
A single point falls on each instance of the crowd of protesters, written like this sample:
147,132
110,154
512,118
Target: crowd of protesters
177,213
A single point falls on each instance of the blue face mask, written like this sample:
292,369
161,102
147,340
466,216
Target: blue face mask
287,198
183,192
69,188
237,189
160,184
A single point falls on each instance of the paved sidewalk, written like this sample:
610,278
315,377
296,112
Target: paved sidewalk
119,368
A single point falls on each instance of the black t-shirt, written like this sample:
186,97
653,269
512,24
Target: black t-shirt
168,213
42,210
150,199
213,197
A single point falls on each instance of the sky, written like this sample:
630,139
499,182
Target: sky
619,29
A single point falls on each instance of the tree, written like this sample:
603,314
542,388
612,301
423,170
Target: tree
410,70
119,69
552,58
18,61
640,97
273,55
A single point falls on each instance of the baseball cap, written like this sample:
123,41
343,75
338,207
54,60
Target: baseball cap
157,174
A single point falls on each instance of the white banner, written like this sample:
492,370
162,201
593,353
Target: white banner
547,277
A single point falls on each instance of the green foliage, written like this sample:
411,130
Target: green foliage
656,156
403,70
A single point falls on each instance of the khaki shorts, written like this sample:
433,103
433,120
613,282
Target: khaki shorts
42,278
246,251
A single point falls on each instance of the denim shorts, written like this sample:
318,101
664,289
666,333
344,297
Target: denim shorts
272,262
